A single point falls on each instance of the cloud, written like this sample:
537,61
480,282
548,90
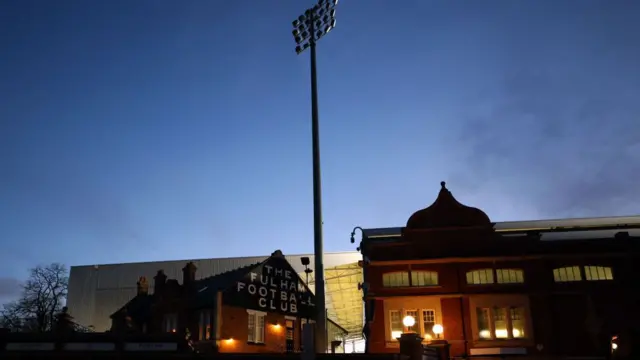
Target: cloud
565,141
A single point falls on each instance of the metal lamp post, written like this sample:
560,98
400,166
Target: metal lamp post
308,28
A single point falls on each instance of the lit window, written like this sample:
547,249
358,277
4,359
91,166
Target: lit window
255,326
416,326
500,323
170,322
395,318
428,320
484,321
509,276
594,273
567,274
424,278
204,325
517,322
395,279
477,277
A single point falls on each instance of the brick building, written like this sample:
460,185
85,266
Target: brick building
256,308
496,293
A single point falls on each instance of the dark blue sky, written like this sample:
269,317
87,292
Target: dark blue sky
147,130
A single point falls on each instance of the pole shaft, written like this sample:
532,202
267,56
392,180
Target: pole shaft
321,321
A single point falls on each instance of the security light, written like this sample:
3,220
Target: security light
305,260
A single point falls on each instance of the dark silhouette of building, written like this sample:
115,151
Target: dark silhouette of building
495,293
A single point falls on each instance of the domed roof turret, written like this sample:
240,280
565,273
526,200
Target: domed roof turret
447,212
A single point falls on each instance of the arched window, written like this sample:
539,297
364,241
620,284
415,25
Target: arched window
395,279
424,278
482,276
510,276
567,274
595,273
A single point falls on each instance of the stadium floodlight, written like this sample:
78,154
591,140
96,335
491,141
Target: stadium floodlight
315,23
308,28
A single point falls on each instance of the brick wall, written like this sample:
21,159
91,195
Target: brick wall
234,332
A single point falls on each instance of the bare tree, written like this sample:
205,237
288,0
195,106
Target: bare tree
42,298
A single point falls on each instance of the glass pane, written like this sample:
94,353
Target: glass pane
260,329
608,273
570,273
251,328
396,324
517,322
428,320
416,327
500,323
484,330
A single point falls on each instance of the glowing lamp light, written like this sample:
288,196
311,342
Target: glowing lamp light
502,333
409,321
614,346
517,333
438,330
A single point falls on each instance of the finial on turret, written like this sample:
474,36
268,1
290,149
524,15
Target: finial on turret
443,184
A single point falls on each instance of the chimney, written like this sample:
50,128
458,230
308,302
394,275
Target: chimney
189,273
143,286
160,280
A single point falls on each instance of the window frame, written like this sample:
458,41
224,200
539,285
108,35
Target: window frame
423,322
557,274
517,272
404,274
493,276
256,330
508,312
391,322
204,324
419,327
588,275
487,271
432,275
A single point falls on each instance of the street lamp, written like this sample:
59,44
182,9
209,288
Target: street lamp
437,330
408,321
308,28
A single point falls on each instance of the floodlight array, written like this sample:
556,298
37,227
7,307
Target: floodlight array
314,24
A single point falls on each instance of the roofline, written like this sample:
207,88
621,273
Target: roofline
338,326
209,259
577,224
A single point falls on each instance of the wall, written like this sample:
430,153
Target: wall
557,313
235,327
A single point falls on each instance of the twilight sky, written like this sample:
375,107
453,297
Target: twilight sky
155,129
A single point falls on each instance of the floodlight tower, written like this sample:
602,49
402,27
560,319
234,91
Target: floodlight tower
308,28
